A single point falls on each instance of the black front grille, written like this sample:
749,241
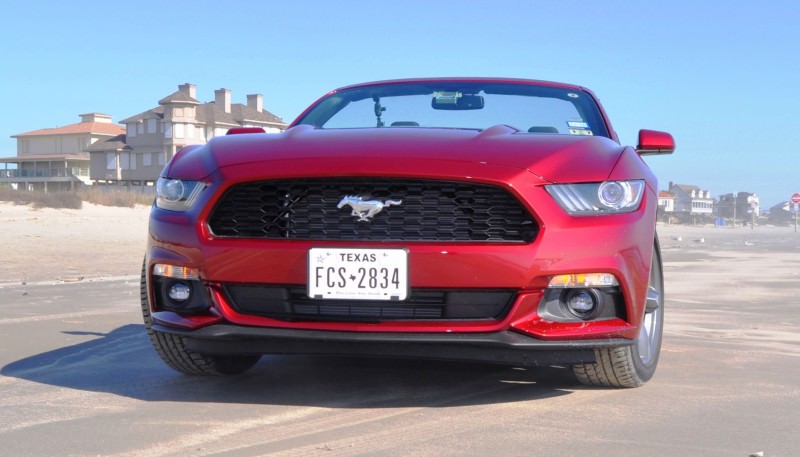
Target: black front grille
292,303
430,211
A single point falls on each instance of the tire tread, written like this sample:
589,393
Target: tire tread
617,366
172,348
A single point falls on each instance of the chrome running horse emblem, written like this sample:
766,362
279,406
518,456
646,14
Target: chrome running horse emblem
365,209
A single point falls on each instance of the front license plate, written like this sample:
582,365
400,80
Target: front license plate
358,274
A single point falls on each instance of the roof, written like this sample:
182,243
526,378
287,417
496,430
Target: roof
686,191
179,97
155,113
686,187
210,113
781,206
96,128
114,143
663,194
245,113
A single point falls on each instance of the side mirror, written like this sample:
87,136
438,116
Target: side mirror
655,142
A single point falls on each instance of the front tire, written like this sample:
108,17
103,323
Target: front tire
172,348
634,365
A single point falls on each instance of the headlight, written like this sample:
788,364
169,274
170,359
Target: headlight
592,199
175,194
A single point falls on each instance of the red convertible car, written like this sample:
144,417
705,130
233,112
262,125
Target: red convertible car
474,219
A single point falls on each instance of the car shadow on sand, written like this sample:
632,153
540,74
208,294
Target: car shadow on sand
122,362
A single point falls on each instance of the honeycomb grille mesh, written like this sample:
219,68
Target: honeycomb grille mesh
308,209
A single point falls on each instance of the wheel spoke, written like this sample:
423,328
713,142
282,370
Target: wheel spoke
650,332
645,341
653,300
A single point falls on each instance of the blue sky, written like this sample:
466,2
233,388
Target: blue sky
720,76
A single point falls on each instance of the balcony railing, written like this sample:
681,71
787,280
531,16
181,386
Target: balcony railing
77,172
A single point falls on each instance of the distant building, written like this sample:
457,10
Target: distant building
666,202
781,214
152,137
741,206
691,202
666,206
53,159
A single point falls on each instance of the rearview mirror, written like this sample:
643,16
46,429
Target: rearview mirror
456,101
655,142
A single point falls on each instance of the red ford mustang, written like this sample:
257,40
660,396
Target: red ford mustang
491,220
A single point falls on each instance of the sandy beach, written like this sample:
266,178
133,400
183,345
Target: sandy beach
40,245
75,357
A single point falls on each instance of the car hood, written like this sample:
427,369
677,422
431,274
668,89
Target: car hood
554,158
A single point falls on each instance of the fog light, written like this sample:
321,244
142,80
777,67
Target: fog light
582,303
179,292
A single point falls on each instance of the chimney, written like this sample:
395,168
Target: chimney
222,98
256,102
95,117
188,89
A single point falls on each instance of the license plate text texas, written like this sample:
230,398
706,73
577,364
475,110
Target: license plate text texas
358,274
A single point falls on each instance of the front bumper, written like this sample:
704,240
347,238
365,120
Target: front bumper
617,244
505,347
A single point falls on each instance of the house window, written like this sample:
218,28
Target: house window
131,130
189,130
179,131
178,112
139,127
125,161
147,159
167,130
151,126
111,161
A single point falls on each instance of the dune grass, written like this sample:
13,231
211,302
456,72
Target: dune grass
74,200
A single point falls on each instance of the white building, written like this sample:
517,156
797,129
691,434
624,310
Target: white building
152,137
56,158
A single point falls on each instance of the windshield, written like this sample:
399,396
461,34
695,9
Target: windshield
528,108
